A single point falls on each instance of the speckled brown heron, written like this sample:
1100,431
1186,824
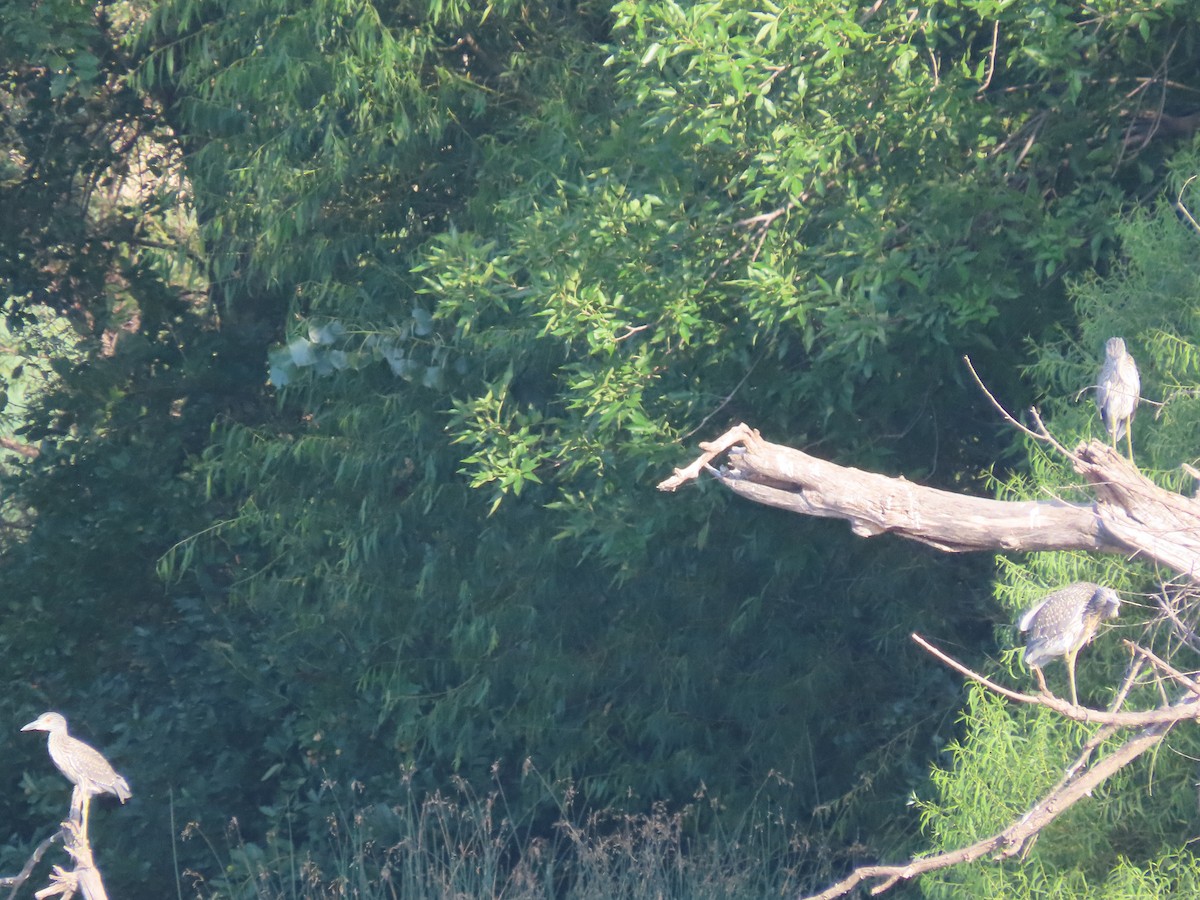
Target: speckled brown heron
83,765
1063,622
1117,391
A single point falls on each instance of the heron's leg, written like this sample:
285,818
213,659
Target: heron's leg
87,797
1129,439
76,814
1070,658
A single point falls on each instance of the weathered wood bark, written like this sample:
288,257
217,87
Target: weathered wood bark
1130,514
84,879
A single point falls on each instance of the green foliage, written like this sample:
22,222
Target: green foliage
123,375
651,293
500,264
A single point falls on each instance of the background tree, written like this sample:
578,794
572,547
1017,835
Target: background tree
498,262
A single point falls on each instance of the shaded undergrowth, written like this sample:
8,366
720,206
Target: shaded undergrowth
464,844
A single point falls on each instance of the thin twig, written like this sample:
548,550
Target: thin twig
1104,732
870,12
1042,434
1047,436
991,69
728,397
1185,633
1183,209
1160,76
763,220
760,225
1165,666
1008,417
1134,719
630,331
34,858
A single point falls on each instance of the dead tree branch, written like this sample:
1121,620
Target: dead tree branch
1078,782
1083,714
1014,840
84,879
15,881
1130,515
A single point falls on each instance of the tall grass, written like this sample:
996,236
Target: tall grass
465,845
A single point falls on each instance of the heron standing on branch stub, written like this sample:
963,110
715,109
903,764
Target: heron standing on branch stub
1063,622
84,766
1117,391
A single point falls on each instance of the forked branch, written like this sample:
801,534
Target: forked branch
1078,782
84,879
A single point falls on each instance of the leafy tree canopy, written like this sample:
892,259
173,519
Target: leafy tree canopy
499,261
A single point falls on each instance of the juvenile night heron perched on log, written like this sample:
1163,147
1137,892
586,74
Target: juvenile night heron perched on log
1117,392
83,765
1063,622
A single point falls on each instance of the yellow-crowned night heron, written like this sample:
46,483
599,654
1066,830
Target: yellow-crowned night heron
1117,392
1063,622
83,765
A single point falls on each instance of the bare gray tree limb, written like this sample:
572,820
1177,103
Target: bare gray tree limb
1078,782
15,881
84,879
1130,515
1083,714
